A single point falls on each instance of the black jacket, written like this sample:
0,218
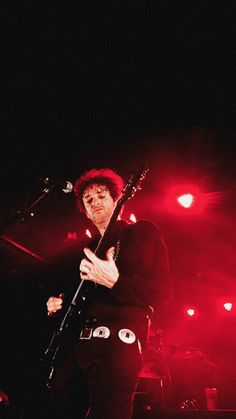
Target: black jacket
144,277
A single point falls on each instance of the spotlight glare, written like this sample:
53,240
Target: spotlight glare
71,236
133,218
87,232
190,312
186,200
228,306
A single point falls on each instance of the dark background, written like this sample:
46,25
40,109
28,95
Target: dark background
92,86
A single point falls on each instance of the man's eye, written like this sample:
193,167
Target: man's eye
89,201
101,196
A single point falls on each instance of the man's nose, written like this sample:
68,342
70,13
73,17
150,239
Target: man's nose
95,202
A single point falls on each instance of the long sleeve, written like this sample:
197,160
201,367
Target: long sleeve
145,278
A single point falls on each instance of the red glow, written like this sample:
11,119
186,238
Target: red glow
228,306
186,200
133,218
190,312
71,236
87,232
185,196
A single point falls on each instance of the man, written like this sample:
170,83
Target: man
131,277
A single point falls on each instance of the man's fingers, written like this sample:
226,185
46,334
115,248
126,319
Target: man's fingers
90,255
110,253
54,304
85,269
84,265
84,275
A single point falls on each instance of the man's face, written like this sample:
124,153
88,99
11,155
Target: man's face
98,204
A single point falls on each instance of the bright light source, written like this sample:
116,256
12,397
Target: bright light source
71,236
182,197
87,232
133,218
228,306
186,200
190,312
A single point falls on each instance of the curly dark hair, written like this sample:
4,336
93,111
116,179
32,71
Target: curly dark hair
105,176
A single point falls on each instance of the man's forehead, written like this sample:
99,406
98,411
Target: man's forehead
94,188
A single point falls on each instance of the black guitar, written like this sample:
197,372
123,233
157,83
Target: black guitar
56,349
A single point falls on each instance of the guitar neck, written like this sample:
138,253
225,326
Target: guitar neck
104,239
100,246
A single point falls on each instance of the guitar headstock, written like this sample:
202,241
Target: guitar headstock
134,183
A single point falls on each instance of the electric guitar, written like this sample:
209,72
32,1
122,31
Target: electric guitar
60,339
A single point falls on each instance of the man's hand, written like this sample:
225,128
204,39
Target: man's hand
103,272
54,304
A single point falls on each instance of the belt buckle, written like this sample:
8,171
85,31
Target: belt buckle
127,336
101,332
86,333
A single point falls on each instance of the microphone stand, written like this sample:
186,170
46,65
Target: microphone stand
21,214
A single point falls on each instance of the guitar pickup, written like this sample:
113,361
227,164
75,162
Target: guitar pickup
86,333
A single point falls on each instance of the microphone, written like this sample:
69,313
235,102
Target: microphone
65,185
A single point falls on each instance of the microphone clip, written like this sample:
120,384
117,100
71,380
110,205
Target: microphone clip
50,185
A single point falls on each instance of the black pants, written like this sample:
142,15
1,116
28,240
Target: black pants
97,381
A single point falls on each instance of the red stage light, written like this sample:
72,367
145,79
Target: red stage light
191,312
133,218
186,200
87,232
228,306
71,236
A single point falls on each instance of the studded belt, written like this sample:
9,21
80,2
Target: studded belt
103,332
